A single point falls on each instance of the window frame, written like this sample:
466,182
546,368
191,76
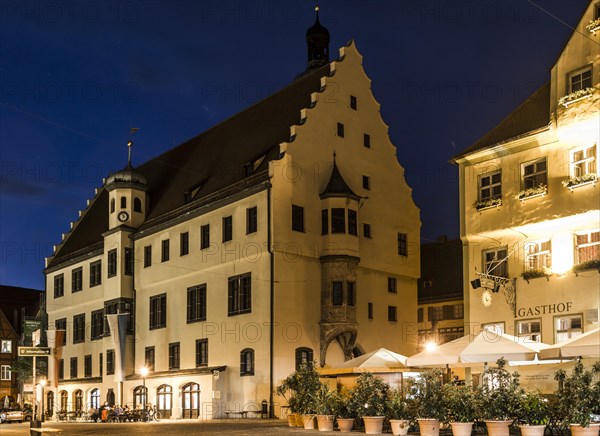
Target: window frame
544,252
227,228
97,322
147,256
79,328
157,315
535,175
481,187
500,258
111,263
590,162
402,244
110,362
184,243
303,356
589,244
6,346
73,367
247,362
529,335
337,293
174,355
251,220
165,248
239,294
96,273
204,236
196,303
201,352
5,373
570,332
580,72
76,280
59,285
87,366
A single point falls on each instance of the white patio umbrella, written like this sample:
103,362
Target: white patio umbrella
381,360
585,345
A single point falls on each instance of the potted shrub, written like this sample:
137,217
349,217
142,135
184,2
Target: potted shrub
499,395
533,413
579,398
327,403
345,414
429,402
369,401
302,386
399,412
287,390
461,407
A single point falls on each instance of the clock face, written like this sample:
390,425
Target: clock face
123,216
486,298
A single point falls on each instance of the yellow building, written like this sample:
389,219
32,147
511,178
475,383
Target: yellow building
284,234
530,205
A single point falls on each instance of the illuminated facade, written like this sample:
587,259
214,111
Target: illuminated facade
530,205
267,241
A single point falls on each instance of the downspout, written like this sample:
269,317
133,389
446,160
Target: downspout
133,309
271,299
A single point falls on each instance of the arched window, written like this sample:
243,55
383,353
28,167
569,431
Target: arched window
64,401
247,361
112,205
304,356
139,393
110,397
78,400
190,398
95,398
164,400
123,202
50,403
137,205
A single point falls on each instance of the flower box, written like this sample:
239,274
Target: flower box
575,182
584,266
536,191
487,204
576,96
534,274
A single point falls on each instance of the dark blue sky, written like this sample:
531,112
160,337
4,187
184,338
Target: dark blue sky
75,76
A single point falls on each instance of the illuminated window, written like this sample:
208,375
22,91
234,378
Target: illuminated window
580,79
567,327
587,246
495,262
530,330
490,186
535,174
496,327
583,161
164,400
95,398
6,346
538,256
5,372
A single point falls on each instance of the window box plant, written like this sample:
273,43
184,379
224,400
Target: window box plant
593,26
302,387
535,273
369,399
533,414
461,408
587,265
429,402
399,413
576,96
532,192
573,182
488,203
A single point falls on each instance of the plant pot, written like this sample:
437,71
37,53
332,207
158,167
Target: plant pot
345,424
373,424
399,427
291,419
299,420
532,430
429,427
498,428
462,428
309,422
578,430
325,422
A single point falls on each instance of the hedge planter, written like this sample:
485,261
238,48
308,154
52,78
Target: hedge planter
498,428
309,422
462,428
532,430
373,424
325,422
591,430
399,427
429,427
345,424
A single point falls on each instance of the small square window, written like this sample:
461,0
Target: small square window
367,140
580,80
340,130
352,102
366,182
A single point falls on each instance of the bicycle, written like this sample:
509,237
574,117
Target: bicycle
153,414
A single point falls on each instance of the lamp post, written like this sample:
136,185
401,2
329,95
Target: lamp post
144,373
42,384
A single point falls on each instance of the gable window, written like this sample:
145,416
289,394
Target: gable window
297,218
112,263
204,236
530,330
196,303
95,273
366,182
580,79
367,140
110,362
158,311
201,352
239,294
392,285
304,358
227,228
587,246
367,230
370,310
97,328
174,355
538,255
137,205
184,243
87,365
247,361
534,174
490,186
128,263
59,285
147,256
353,102
352,222
567,327
149,357
583,161
6,346
350,293
251,220
76,279
392,314
340,130
337,293
79,328
495,261
164,250
403,244
324,221
338,220
73,367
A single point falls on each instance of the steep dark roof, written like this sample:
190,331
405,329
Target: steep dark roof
16,302
532,114
208,162
337,186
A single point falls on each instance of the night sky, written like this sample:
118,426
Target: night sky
76,76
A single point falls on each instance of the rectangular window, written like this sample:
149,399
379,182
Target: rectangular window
392,285
97,327
100,364
79,328
227,228
353,102
61,369
535,174
324,222
490,186
95,273
538,256
128,264
112,263
580,79
147,256
367,230
351,293
495,262
204,236
239,294
367,140
174,355
110,362
420,314
370,310
340,130
587,246
567,327
530,330
583,161
158,311
196,303
403,244
61,324
338,220
201,352
77,279
184,243
149,358
87,366
59,285
435,314
164,250
297,218
5,372
251,220
6,346
366,182
352,223
73,367
337,293
458,311
392,313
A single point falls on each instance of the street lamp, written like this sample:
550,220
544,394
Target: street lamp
42,384
144,373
